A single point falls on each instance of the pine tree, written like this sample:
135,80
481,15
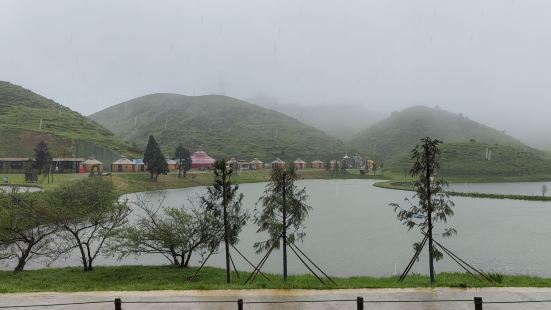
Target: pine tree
154,159
183,157
150,149
42,156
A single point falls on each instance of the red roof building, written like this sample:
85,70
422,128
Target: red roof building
200,160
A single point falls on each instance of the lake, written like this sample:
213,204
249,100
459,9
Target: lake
353,231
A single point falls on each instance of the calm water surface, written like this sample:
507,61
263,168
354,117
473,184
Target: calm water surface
353,231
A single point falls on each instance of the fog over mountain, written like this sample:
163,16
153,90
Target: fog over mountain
486,59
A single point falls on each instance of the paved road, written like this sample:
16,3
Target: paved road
489,294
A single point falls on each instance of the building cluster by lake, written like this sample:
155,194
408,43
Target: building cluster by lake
200,160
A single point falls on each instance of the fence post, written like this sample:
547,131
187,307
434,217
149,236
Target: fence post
240,304
478,303
118,304
360,303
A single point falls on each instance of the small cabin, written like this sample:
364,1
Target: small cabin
15,165
67,165
299,164
92,164
123,164
333,164
317,164
278,164
243,165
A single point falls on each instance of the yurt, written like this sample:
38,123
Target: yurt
317,164
92,164
123,164
256,164
278,164
200,160
172,165
299,164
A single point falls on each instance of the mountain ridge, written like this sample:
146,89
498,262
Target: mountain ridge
397,134
27,118
221,125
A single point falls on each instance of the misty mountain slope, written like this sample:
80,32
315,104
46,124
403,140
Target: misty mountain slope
468,159
222,126
63,129
396,135
343,121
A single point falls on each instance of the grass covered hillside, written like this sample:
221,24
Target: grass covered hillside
219,125
395,136
63,130
468,160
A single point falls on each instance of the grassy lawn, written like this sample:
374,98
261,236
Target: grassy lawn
139,182
144,278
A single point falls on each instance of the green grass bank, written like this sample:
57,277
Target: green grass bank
146,278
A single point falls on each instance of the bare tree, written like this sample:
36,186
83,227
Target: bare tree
88,213
175,233
26,228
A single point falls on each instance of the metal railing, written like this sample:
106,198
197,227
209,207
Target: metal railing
477,302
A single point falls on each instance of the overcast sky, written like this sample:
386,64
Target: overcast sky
490,60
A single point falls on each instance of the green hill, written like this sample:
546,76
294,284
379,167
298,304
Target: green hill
66,132
395,136
468,159
221,126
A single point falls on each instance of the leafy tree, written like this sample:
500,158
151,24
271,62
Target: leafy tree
26,228
284,207
183,156
222,204
88,213
434,204
154,159
42,156
174,233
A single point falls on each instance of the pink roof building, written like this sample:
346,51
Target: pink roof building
200,160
